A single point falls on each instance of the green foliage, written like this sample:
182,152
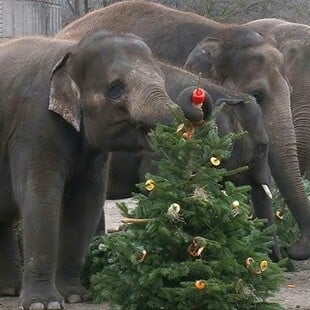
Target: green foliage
207,236
287,228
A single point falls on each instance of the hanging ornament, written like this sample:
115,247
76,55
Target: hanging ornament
235,208
102,247
189,132
200,284
280,214
249,262
174,213
149,185
263,265
200,193
189,129
215,161
198,97
195,249
141,258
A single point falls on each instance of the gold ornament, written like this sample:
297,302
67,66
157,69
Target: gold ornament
235,208
200,284
280,214
215,161
174,208
142,256
195,249
249,261
149,185
263,265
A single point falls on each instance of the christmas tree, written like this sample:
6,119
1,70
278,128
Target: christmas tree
189,243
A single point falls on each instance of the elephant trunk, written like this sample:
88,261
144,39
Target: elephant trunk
285,167
301,119
192,111
159,108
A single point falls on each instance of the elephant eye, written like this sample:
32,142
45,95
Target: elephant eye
116,90
259,96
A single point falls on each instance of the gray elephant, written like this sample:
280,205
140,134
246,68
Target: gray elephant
63,107
246,62
293,40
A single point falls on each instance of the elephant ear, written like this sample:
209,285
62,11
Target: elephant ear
65,94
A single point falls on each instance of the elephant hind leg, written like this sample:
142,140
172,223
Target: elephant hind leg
10,273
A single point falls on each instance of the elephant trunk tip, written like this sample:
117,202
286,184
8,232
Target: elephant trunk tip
196,104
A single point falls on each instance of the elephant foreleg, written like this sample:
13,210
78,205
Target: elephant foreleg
263,209
38,184
82,210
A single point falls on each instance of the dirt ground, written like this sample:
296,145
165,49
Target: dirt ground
294,293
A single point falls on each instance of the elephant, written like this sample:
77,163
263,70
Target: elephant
64,106
293,40
247,62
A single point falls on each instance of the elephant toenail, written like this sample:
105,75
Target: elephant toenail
37,306
72,299
21,307
54,305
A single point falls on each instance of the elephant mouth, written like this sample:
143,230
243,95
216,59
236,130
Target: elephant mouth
130,136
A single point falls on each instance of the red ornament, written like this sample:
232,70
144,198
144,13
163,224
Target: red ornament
198,96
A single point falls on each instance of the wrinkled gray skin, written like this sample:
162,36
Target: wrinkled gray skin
293,40
249,64
63,107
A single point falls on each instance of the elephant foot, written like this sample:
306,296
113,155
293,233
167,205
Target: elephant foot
300,250
9,288
73,293
42,300
10,291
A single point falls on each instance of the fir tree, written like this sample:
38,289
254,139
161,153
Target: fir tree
189,244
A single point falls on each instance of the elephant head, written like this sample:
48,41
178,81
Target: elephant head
112,91
259,71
